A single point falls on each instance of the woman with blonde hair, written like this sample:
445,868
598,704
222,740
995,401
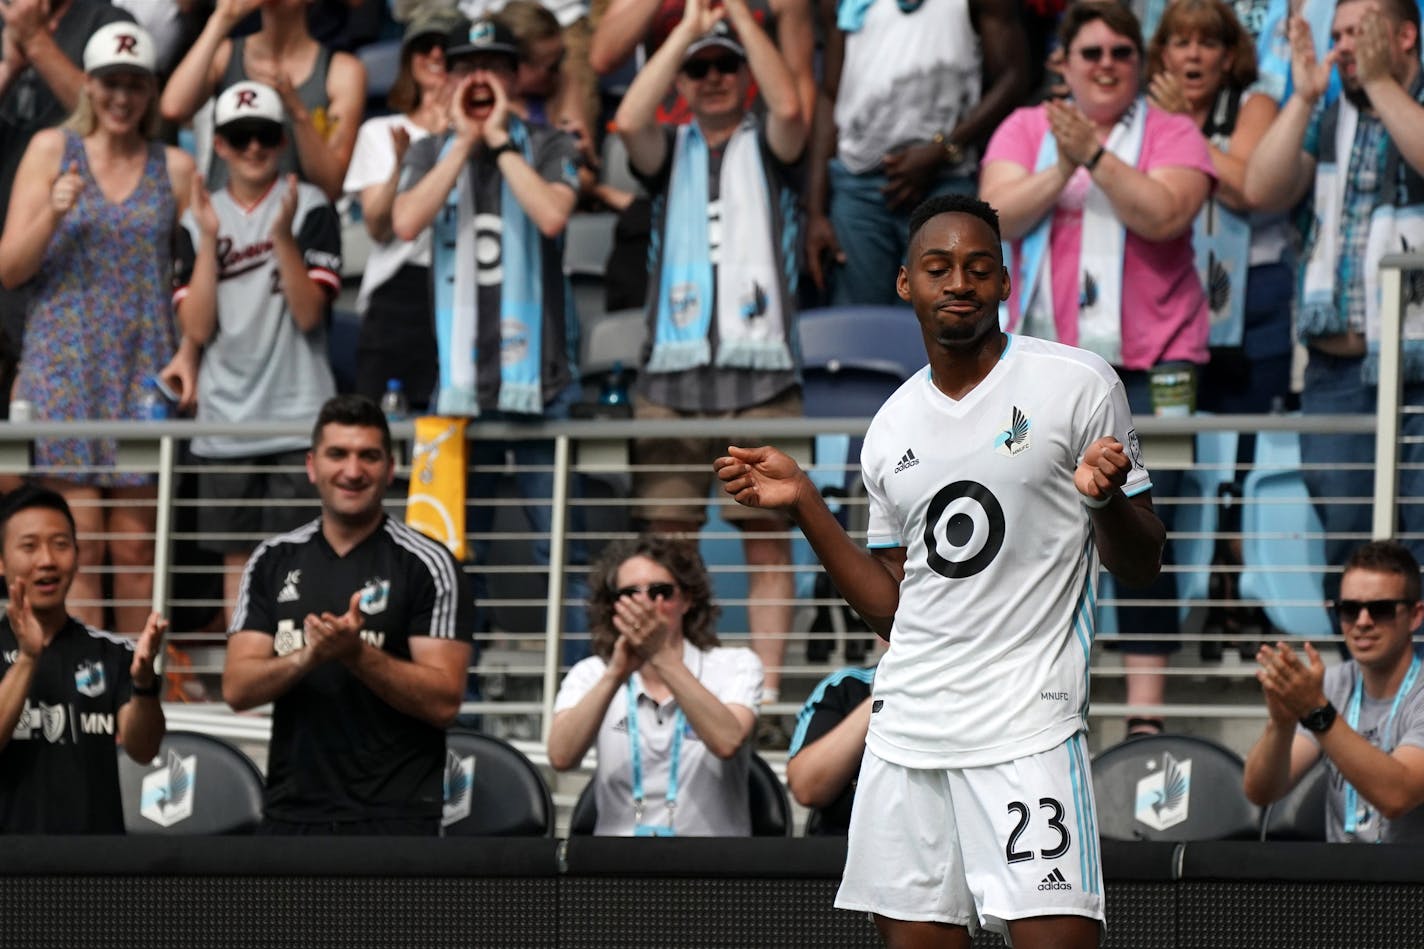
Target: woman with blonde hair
90,228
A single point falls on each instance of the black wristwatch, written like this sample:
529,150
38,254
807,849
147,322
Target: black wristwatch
508,146
1319,719
148,691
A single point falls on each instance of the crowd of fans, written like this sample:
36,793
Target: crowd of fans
1198,191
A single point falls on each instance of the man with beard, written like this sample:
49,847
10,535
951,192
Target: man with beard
997,479
357,629
1365,717
1363,154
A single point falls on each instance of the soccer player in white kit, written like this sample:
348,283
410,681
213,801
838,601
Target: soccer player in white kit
997,477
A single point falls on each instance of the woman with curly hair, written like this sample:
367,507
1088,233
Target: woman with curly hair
669,708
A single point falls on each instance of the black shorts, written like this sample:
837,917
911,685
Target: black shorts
242,501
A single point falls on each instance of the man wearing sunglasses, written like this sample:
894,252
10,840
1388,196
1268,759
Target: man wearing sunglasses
259,262
1365,716
722,312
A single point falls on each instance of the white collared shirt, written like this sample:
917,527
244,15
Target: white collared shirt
712,793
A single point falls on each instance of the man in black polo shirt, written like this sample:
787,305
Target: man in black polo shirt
66,691
357,629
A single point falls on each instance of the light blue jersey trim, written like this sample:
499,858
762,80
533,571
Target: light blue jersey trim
1007,346
803,717
1138,488
1087,823
888,545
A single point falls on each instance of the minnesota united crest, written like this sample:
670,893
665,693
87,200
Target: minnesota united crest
1014,439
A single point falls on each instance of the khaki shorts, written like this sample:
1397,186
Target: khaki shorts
680,491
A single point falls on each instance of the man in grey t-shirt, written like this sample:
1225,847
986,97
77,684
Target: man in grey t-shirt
1366,715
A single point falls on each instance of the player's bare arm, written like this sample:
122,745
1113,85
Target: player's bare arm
768,478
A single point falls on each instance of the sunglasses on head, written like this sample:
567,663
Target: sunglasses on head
1119,54
655,591
1349,610
266,135
698,68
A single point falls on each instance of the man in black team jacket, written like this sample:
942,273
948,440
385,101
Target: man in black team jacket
66,691
358,629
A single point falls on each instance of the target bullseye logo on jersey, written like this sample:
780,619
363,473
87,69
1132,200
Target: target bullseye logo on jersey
489,250
964,530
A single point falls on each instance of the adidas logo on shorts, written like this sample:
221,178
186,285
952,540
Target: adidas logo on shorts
1055,881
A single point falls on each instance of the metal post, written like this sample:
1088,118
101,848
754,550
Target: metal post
1390,396
554,611
163,536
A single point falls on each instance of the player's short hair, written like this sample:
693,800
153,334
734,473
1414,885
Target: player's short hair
954,204
351,409
29,496
1388,556
681,559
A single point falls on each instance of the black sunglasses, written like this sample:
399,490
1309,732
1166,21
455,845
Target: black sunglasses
266,135
655,591
698,68
1119,54
1349,610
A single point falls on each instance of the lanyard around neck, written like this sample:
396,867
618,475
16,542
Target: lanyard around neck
1352,718
679,725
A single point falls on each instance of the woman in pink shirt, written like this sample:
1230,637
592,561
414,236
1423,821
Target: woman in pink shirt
1097,195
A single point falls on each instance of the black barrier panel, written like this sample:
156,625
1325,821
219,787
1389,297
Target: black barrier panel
702,857
683,913
214,912
1299,915
281,856
1356,863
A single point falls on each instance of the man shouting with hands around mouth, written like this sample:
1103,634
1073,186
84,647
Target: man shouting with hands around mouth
66,690
998,478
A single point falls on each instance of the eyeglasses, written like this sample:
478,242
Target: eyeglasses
655,591
1349,610
266,135
698,68
1119,54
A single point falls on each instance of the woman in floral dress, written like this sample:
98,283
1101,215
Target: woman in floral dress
90,228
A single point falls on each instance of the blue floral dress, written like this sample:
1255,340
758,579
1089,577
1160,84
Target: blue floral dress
101,318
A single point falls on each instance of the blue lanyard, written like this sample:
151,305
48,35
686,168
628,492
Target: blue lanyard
679,725
1352,718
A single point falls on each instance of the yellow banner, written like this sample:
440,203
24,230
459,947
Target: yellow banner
436,506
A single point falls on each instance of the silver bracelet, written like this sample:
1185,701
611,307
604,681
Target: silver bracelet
1096,504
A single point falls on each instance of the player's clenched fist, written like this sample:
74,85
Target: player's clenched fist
1103,470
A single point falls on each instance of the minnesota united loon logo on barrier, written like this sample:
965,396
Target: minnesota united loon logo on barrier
1163,797
459,783
167,794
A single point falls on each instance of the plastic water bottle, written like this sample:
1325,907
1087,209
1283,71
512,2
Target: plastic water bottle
152,406
393,402
615,386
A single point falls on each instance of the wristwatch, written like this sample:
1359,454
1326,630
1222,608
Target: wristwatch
953,154
147,691
1319,719
508,146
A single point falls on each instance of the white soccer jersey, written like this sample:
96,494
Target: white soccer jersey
988,657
